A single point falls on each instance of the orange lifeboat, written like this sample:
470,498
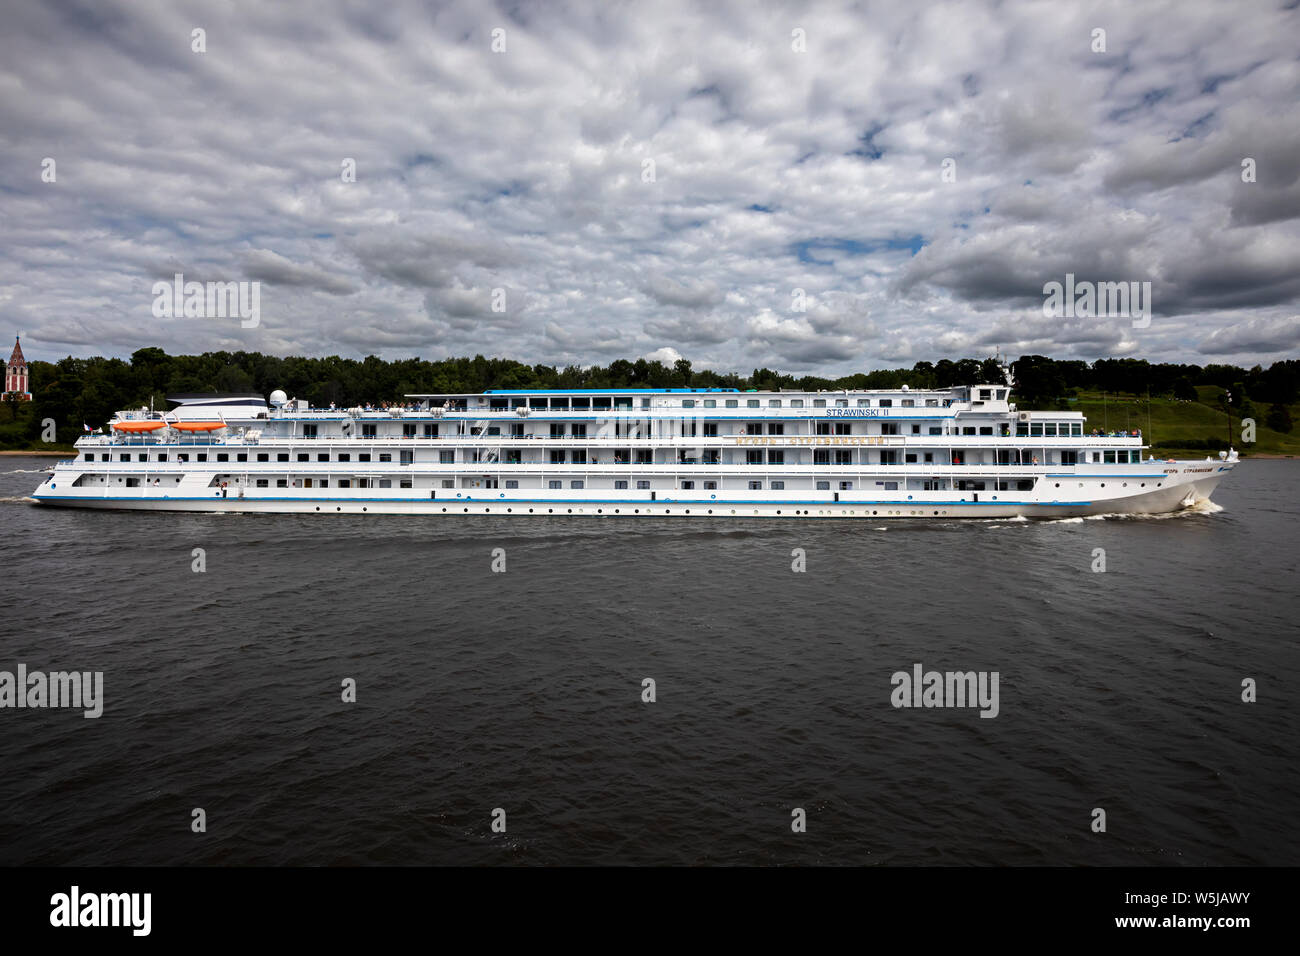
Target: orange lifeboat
136,427
197,426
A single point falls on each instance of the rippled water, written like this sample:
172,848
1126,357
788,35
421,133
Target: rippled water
522,690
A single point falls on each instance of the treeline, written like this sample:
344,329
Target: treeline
1040,379
73,391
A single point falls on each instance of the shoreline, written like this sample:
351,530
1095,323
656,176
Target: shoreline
41,454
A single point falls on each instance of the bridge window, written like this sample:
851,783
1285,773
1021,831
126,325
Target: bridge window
620,485
581,403
777,486
823,486
643,485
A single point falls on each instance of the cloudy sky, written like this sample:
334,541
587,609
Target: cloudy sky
653,179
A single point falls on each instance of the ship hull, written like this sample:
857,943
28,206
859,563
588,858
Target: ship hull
1186,485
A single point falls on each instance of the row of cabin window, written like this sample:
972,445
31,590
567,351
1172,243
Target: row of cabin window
599,404
1049,429
339,482
405,457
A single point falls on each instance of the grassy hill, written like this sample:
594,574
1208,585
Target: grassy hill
1181,429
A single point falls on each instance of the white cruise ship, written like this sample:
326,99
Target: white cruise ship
963,452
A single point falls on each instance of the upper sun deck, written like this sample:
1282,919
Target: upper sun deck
725,402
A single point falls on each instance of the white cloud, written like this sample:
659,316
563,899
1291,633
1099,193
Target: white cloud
772,170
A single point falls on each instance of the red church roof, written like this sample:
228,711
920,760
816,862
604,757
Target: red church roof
17,357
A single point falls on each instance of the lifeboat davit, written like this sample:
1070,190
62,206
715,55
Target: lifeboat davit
197,426
138,426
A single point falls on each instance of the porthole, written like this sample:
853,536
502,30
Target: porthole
508,510
1144,484
1125,485
550,510
778,510
710,511
1103,484
530,510
688,510
364,508
444,510
318,507
600,511
936,512
570,511
338,509
466,509
1058,484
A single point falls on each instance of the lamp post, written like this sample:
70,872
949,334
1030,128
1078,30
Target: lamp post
1227,407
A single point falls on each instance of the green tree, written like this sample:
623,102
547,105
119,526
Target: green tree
1279,419
1184,391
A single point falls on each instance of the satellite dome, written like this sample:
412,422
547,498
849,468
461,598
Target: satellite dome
278,397
905,388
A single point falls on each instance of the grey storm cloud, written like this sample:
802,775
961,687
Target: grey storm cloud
652,179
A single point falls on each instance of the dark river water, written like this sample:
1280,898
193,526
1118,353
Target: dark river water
522,690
